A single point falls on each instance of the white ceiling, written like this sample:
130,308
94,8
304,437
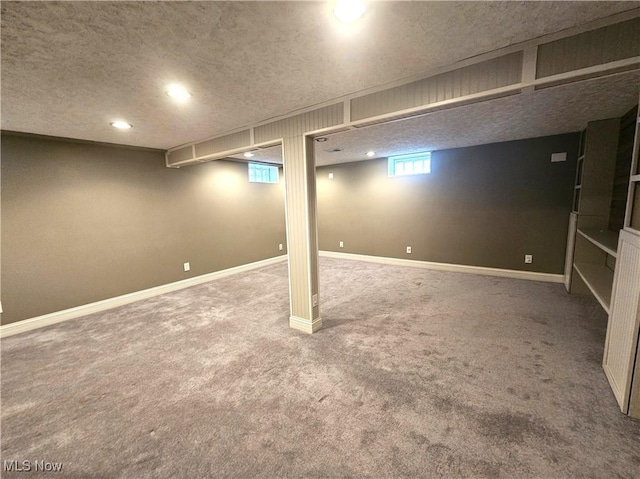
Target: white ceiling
69,68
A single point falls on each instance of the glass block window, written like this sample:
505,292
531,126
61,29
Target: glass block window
413,164
263,173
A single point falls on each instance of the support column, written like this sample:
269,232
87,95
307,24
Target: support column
302,232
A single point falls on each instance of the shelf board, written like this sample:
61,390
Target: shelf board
578,187
604,239
599,280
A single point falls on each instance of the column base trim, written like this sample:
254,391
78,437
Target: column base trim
305,325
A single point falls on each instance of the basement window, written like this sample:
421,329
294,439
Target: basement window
263,173
413,164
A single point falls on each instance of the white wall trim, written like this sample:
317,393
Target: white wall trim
456,268
66,314
305,325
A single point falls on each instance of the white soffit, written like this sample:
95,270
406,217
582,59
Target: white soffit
562,109
69,68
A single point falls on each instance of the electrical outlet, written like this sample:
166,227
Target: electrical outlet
280,246
528,258
408,249
314,298
341,244
187,267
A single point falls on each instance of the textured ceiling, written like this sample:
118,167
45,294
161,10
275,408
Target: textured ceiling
550,111
561,109
69,68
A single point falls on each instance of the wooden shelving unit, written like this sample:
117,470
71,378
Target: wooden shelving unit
621,361
603,245
599,279
606,240
595,269
595,246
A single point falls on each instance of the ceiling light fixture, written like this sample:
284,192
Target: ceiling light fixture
349,11
177,92
371,153
322,139
248,154
121,125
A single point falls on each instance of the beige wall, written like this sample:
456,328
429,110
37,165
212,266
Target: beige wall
85,222
484,206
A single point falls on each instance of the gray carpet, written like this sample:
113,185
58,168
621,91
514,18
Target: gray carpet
416,374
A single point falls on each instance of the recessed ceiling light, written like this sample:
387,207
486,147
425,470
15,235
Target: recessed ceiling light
349,10
371,153
121,125
322,139
248,154
178,92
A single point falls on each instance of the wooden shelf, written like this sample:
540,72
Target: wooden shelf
604,239
599,280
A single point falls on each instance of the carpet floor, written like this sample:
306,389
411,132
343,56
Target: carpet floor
416,373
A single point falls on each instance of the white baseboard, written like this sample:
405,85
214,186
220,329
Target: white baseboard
295,322
456,268
66,314
305,325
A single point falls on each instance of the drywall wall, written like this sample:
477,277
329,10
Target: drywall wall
84,222
486,205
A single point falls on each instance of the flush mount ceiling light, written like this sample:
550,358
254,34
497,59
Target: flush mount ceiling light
248,154
349,11
178,92
371,153
121,125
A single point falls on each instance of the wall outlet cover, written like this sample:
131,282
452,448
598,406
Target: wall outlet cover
528,258
341,244
280,246
408,249
331,176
